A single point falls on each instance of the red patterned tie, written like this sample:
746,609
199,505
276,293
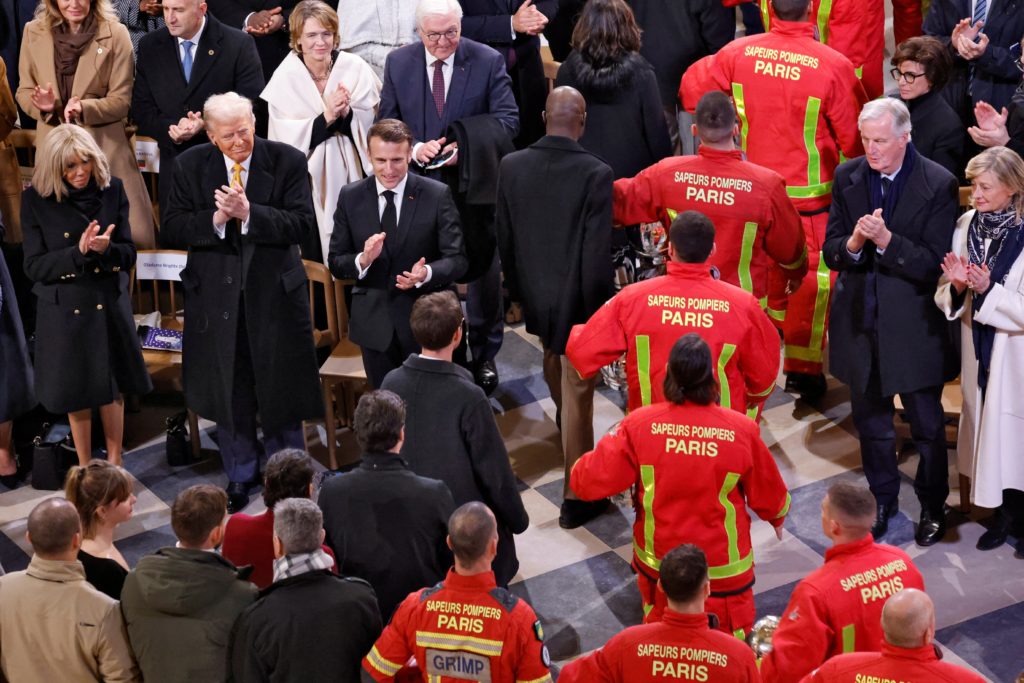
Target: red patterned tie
438,87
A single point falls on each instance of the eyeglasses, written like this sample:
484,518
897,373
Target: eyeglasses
908,76
450,35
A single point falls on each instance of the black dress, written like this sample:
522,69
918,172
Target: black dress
625,122
87,349
16,397
105,575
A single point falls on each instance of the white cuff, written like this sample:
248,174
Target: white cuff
245,22
360,270
855,255
430,274
219,228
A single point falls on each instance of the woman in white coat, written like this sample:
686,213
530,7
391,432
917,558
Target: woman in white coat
323,102
983,286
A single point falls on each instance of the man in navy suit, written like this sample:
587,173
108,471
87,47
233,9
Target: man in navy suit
397,235
430,86
167,102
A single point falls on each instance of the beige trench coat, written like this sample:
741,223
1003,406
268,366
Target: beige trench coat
10,179
103,81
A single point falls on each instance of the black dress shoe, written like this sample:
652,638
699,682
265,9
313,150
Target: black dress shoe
996,535
486,376
881,524
11,481
238,496
809,387
576,513
930,529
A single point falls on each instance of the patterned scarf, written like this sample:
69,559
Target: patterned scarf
1003,228
301,563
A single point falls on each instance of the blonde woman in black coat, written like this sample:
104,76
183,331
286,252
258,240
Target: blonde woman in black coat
79,252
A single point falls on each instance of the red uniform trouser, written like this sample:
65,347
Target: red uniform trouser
735,613
906,19
805,327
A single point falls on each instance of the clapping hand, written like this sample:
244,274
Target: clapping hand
964,40
231,202
187,127
265,22
337,104
92,240
872,227
978,278
955,269
528,19
372,248
151,7
991,129
73,110
44,99
412,277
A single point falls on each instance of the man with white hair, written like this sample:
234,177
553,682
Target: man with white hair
241,206
891,222
443,81
908,653
310,624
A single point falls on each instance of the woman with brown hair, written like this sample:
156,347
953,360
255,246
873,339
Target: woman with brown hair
921,68
78,253
102,494
625,124
77,67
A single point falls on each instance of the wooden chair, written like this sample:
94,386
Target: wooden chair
160,293
550,66
342,375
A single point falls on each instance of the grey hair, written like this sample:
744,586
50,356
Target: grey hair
297,524
226,106
426,8
876,109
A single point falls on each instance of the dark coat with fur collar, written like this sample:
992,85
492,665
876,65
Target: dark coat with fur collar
625,124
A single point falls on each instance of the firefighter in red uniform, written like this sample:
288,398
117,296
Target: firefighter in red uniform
680,647
696,468
855,28
798,102
908,653
646,318
464,628
838,607
756,225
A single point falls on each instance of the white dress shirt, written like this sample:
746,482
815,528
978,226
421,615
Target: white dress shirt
195,44
219,228
399,191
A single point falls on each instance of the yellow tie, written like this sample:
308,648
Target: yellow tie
236,175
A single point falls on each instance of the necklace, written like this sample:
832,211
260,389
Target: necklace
325,76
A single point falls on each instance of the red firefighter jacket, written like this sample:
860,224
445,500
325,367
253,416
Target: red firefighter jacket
465,627
905,665
646,318
681,647
696,469
797,101
838,608
755,223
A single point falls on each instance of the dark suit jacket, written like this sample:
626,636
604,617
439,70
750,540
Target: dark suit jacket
226,60
261,271
490,22
914,350
272,48
480,85
451,435
428,227
388,526
937,131
554,220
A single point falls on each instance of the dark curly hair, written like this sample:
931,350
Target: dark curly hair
288,475
931,54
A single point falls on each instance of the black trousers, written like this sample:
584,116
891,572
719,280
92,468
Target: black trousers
379,363
873,417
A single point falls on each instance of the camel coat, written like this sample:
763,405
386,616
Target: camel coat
103,80
10,180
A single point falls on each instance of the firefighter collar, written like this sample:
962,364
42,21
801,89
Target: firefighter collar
480,583
691,271
804,29
849,548
698,622
712,153
925,653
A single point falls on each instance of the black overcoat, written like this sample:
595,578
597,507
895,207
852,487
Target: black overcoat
16,396
914,341
261,270
87,349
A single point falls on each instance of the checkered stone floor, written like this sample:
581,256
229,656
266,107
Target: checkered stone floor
580,582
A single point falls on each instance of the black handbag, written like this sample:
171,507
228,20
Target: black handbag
53,454
179,449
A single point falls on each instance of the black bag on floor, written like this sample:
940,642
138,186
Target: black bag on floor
53,454
179,449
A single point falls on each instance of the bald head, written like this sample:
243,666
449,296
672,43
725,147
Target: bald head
908,619
52,526
471,528
565,112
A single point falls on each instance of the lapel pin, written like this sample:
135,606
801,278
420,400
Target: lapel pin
210,53
99,50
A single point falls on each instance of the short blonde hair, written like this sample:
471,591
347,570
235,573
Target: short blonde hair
48,12
312,9
219,108
61,145
1008,168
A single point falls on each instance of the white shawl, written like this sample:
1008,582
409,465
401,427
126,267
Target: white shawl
295,103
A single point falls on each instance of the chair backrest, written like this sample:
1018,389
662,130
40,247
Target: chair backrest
965,198
320,279
550,66
154,281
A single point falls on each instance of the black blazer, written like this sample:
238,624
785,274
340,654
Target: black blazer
226,60
428,227
262,269
937,131
914,349
490,22
554,224
388,526
272,48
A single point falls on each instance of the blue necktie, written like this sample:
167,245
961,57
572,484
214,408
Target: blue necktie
186,58
980,10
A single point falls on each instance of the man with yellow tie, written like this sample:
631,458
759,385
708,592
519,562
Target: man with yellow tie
241,206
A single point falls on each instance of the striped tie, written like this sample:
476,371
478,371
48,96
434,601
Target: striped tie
980,12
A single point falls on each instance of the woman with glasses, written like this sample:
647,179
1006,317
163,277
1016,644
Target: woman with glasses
322,102
921,68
